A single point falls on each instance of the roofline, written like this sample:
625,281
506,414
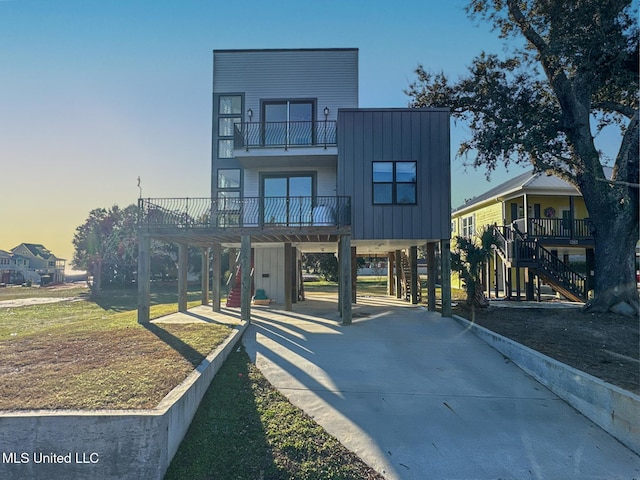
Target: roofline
251,50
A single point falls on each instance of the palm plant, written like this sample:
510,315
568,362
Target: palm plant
469,259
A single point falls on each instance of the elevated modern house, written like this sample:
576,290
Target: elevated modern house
297,167
542,225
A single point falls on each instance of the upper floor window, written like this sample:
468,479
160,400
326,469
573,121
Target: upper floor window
228,178
394,183
229,114
288,122
230,105
469,226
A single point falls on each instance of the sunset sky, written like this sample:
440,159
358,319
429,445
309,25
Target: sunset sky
94,93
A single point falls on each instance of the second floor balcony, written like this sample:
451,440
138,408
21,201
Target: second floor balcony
252,213
557,230
280,141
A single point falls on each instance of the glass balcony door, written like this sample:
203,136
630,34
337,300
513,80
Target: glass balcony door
287,199
288,122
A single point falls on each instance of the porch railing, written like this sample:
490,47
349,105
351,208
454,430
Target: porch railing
232,212
285,134
556,228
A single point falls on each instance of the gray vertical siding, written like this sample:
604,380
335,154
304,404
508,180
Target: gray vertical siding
421,135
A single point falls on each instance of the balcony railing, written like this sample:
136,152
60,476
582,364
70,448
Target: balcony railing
558,228
320,133
244,212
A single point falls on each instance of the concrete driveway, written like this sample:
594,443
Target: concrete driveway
418,397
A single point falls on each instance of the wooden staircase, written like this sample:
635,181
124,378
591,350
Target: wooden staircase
407,281
235,295
516,250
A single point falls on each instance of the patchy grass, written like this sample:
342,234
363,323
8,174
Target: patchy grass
245,429
85,354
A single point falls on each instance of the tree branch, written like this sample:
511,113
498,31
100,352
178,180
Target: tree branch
609,106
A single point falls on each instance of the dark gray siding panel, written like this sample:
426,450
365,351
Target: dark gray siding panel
421,135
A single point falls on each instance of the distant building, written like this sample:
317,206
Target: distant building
30,262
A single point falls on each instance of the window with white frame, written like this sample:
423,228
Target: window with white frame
469,226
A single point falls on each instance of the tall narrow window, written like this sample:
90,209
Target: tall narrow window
394,183
229,115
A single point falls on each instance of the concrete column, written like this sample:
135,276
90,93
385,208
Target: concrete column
445,253
288,277
391,286
144,278
432,272
415,284
204,282
245,279
398,274
345,278
183,266
216,256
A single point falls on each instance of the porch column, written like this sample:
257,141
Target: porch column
245,278
144,278
415,283
391,287
288,277
526,214
432,272
345,278
398,274
204,276
445,267
183,261
354,275
216,255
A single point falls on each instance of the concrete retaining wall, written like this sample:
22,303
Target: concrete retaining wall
615,410
106,444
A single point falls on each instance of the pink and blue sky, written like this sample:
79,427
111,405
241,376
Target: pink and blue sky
94,93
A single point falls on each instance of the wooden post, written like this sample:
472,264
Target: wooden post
432,272
245,281
445,268
216,255
183,266
398,274
294,275
391,286
345,278
354,275
144,278
204,277
415,283
288,277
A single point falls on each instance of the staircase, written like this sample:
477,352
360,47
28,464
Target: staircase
517,250
407,281
234,296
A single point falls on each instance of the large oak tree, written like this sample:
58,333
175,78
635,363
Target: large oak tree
573,72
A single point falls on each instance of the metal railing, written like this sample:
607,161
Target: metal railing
244,212
285,134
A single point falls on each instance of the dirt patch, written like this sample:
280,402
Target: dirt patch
605,345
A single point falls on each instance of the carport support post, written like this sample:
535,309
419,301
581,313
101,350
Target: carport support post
345,278
398,274
432,271
183,261
354,275
415,281
245,278
144,278
288,277
204,276
391,290
216,255
445,267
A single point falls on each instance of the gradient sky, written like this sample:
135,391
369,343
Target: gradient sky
94,93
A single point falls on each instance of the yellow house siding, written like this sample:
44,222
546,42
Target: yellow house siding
489,215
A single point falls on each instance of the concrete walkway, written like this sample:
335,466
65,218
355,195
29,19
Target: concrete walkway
418,397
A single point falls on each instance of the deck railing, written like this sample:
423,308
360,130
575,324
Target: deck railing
285,134
232,212
559,228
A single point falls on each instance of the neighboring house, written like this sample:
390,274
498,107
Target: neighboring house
297,167
542,226
14,269
43,266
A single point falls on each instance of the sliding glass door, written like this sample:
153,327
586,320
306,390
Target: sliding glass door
287,199
288,122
